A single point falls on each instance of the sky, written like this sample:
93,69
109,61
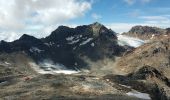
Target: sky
40,17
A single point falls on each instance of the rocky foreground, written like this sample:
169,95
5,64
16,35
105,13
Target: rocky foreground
63,87
19,81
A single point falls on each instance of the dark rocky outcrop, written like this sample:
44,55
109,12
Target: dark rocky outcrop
147,79
168,30
147,72
157,84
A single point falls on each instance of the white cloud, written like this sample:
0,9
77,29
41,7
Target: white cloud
153,17
164,19
131,2
125,27
96,16
120,27
161,9
145,1
34,15
38,33
18,13
135,13
46,30
117,27
13,36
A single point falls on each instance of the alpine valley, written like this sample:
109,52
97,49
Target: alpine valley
87,62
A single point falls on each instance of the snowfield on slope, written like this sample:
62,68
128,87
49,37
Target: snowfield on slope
58,70
139,95
130,41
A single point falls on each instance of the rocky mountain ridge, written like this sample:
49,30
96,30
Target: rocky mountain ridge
68,46
148,66
146,32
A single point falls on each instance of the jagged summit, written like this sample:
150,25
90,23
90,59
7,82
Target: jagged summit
62,28
27,37
96,29
96,24
99,29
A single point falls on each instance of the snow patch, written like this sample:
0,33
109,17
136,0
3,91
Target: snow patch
75,64
92,44
87,41
74,48
7,63
66,72
74,41
80,36
125,86
58,45
139,95
70,38
165,35
50,68
130,41
49,65
49,44
153,35
3,83
35,49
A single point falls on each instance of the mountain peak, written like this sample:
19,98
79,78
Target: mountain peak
63,27
96,24
27,37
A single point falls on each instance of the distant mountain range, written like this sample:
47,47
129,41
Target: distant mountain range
146,32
